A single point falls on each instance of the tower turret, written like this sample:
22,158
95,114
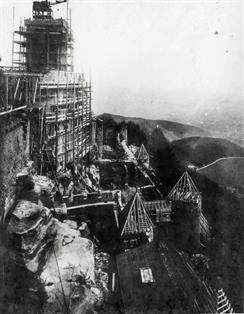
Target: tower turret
186,211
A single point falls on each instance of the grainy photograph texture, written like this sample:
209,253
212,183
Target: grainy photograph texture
121,156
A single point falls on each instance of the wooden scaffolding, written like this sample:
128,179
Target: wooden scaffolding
17,89
60,102
43,43
61,120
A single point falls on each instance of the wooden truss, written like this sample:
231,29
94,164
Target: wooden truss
185,190
223,304
142,154
134,218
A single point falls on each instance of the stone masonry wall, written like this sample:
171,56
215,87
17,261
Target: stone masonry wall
13,156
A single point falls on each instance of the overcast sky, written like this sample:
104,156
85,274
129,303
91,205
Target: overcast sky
152,58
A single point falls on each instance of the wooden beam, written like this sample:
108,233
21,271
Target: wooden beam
65,124
73,119
6,93
56,125
34,95
16,89
82,130
91,205
13,110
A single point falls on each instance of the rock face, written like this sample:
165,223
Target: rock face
58,261
13,147
30,229
68,273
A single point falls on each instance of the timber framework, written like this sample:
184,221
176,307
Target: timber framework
42,84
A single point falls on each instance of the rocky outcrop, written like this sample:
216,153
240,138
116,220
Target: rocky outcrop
30,230
34,188
49,262
30,227
68,273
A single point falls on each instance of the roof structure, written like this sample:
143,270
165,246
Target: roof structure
145,285
185,190
142,153
223,304
134,218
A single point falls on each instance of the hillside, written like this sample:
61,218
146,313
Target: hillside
201,151
171,130
169,157
225,171
224,211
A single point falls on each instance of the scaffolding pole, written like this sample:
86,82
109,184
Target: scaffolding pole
13,36
78,130
90,113
73,125
56,124
82,123
65,124
86,150
6,95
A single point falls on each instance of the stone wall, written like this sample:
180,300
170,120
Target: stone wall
13,157
186,222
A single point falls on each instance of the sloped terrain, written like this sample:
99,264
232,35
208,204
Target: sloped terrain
224,211
201,151
157,140
226,171
222,208
171,130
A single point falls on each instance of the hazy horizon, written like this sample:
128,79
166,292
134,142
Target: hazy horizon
154,59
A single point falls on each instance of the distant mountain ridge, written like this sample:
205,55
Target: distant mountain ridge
226,171
172,146
171,130
201,151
